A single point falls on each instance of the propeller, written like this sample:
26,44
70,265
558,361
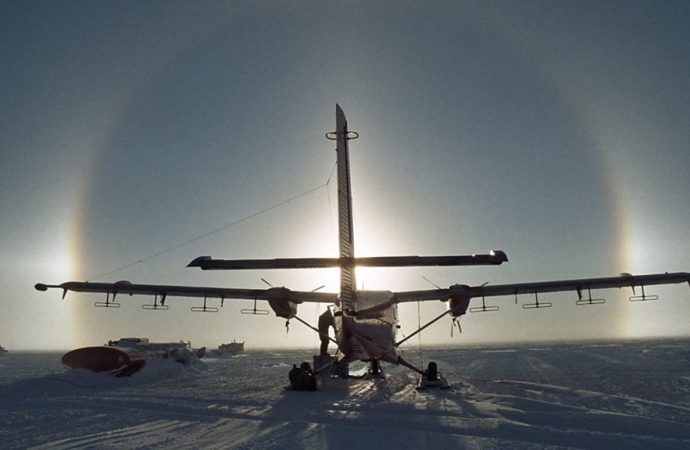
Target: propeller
455,321
432,283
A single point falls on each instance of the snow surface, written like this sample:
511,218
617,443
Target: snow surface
604,395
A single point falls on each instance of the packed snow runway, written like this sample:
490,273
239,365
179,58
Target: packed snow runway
604,395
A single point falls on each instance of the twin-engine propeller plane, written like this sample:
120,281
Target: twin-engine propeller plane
365,322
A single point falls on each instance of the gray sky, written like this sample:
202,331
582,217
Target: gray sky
555,131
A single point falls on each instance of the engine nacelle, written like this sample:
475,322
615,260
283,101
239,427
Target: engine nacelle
459,301
282,302
283,308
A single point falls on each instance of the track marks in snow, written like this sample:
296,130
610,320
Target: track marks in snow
526,398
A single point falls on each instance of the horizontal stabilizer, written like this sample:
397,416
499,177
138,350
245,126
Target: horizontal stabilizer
493,258
207,263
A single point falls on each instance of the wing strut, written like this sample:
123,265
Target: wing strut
317,330
420,329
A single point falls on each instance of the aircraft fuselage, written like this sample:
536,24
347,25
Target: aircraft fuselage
370,333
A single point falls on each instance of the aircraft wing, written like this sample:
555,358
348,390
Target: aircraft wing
579,285
163,291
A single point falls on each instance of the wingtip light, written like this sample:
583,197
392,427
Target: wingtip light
499,256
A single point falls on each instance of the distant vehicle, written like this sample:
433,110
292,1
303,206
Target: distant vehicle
365,322
127,355
3,349
229,349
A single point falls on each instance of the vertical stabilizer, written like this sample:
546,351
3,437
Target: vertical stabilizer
347,247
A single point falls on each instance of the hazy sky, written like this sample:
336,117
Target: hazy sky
556,131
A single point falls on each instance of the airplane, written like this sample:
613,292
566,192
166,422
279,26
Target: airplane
364,321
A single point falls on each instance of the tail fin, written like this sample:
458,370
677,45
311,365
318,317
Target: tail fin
346,240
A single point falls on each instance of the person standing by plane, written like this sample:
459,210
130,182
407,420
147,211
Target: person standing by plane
326,321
